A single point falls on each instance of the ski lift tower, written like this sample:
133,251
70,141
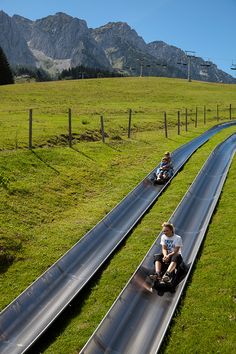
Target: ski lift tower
190,55
206,65
233,66
141,66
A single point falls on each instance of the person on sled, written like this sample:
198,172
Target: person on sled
165,170
166,262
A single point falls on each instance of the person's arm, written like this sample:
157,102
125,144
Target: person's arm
166,167
167,256
165,253
175,251
164,250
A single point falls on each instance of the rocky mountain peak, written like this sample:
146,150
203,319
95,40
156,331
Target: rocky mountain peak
62,41
13,42
22,19
115,26
120,31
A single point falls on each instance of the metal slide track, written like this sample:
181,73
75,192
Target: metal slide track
28,316
138,319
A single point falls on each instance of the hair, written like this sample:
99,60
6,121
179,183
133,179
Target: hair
169,225
167,153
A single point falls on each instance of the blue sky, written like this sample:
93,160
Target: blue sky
204,26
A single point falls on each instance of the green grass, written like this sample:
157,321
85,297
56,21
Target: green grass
205,321
49,198
88,99
75,327
48,216
59,194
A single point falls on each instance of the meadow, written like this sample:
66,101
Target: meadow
50,197
148,98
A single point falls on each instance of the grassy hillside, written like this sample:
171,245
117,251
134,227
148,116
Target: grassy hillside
50,197
79,321
88,99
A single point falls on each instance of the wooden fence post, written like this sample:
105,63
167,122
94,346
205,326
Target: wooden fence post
165,125
196,117
69,128
129,125
230,111
178,122
102,129
30,128
186,119
204,115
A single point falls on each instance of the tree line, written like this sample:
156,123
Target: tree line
33,73
83,72
7,73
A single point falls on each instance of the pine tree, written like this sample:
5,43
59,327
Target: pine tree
6,76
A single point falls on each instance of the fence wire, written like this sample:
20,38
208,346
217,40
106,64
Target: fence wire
50,127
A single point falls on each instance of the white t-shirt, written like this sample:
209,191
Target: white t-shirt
171,242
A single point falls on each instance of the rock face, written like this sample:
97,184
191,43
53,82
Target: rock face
122,45
177,58
62,37
62,41
13,42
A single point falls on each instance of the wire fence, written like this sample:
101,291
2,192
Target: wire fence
35,128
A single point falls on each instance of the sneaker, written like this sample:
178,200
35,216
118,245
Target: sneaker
155,277
167,277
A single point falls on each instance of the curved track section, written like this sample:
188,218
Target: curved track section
138,319
22,322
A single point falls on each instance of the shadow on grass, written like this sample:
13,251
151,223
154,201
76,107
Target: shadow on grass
5,262
9,249
82,153
47,164
112,147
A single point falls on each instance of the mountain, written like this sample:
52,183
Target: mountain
61,41
128,52
13,42
200,69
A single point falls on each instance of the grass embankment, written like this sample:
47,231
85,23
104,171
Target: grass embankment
88,99
50,202
79,321
51,197
205,321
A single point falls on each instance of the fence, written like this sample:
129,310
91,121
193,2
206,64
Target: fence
40,128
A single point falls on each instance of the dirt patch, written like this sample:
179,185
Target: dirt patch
116,137
63,139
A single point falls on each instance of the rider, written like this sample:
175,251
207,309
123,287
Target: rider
167,154
170,258
165,170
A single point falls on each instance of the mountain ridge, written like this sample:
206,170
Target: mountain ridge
60,41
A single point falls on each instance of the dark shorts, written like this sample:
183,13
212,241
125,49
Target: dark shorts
175,258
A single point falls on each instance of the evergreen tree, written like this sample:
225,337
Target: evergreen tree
6,76
83,72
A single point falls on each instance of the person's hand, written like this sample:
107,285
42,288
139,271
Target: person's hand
166,259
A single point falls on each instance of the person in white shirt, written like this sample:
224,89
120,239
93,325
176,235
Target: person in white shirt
170,258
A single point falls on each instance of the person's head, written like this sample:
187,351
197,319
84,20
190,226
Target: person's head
168,229
164,159
167,155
